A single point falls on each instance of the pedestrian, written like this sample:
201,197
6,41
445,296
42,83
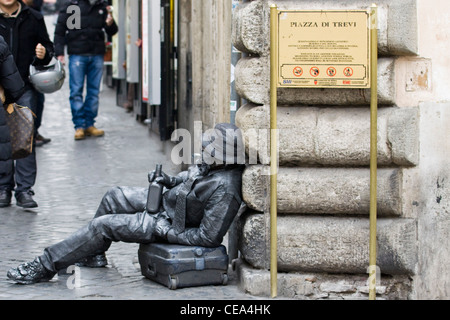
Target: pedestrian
24,29
86,49
197,208
40,140
12,87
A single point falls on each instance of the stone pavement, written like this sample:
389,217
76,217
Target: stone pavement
72,178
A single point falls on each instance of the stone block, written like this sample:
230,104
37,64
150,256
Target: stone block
252,78
397,23
331,136
339,191
330,244
249,31
315,286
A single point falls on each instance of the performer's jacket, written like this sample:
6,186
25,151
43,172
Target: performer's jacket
211,206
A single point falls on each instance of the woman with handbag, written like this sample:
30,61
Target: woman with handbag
24,30
13,87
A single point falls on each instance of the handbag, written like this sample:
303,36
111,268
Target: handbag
20,121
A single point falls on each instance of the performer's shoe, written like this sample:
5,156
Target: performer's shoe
95,261
30,273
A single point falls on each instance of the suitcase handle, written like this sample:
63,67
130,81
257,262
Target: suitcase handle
151,271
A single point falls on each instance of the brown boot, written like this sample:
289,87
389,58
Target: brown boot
94,132
79,134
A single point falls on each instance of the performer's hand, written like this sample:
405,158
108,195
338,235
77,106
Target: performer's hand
162,227
164,179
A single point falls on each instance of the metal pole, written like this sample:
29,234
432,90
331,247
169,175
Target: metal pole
236,55
273,148
373,153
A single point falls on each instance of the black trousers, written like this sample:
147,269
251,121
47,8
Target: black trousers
120,217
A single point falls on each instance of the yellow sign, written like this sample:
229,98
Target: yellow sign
324,49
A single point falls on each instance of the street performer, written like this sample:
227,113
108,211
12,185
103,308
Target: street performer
197,208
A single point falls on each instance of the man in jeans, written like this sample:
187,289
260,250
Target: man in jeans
85,39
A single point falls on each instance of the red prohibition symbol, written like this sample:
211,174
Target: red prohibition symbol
298,71
348,72
314,71
331,71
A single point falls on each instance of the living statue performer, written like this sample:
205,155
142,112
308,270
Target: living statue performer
197,208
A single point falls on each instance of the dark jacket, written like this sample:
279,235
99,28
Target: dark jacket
211,207
12,83
89,37
23,35
37,5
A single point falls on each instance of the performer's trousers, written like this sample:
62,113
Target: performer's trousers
120,217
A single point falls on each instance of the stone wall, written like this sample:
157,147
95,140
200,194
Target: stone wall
323,181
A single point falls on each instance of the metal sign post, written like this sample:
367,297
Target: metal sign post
373,154
273,149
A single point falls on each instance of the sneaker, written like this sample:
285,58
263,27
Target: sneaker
95,261
79,134
30,272
94,132
25,200
5,198
40,140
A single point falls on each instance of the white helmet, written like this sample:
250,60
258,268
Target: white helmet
48,79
